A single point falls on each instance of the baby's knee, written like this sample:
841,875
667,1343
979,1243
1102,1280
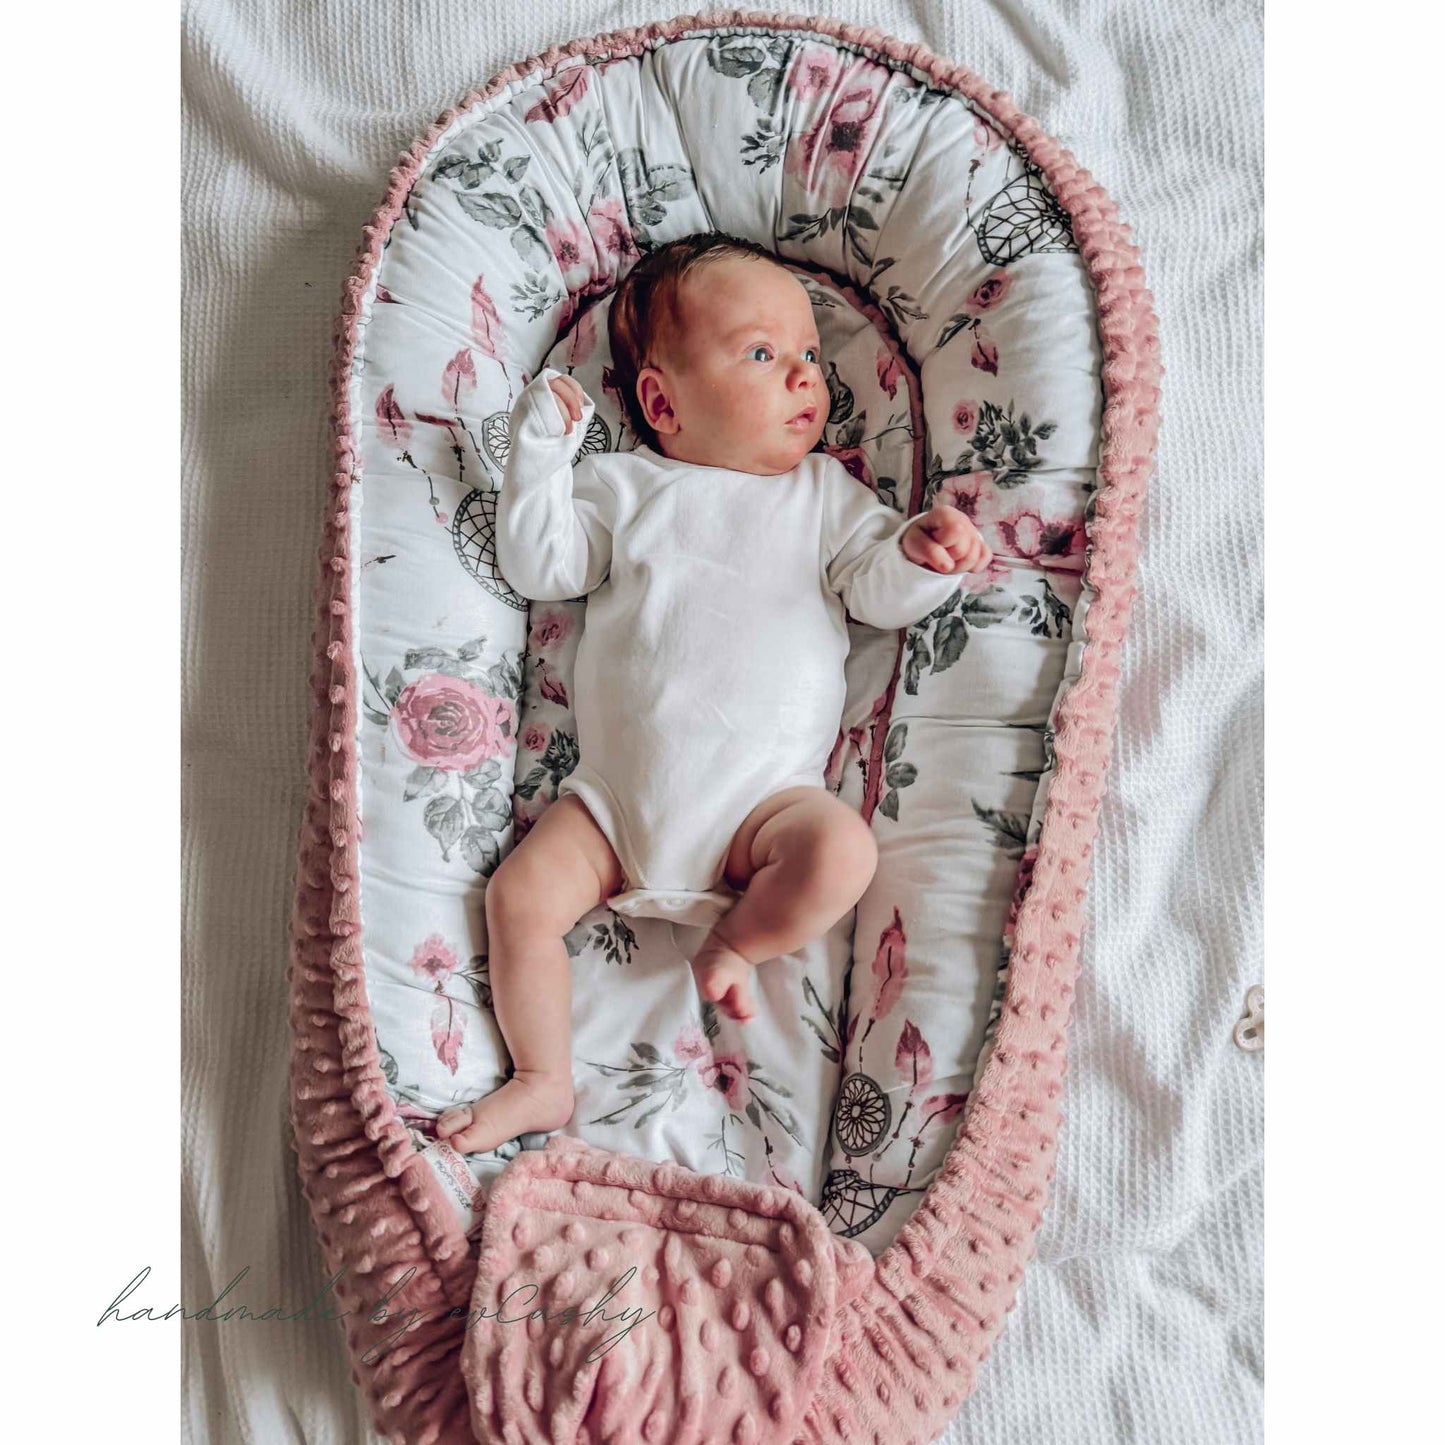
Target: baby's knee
516,893
840,853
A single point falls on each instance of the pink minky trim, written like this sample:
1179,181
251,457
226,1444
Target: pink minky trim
907,1335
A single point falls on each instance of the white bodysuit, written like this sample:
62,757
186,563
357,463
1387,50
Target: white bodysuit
710,670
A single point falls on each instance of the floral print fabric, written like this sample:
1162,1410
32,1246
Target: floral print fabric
962,364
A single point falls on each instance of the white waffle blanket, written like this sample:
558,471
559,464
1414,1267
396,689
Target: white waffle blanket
1141,1318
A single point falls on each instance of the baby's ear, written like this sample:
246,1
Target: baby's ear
656,404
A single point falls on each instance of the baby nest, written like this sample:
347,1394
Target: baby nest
824,1215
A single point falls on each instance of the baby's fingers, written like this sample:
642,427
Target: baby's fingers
928,553
979,555
566,391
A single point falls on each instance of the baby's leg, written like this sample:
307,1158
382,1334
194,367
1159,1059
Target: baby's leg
563,868
803,859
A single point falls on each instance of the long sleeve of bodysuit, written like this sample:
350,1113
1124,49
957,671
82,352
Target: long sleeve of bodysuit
864,559
554,523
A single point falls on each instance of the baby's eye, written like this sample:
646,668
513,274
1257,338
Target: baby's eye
811,352
762,353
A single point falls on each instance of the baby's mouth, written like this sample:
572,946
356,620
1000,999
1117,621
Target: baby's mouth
803,419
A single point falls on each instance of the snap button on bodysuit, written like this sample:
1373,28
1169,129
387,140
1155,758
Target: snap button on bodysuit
1249,1031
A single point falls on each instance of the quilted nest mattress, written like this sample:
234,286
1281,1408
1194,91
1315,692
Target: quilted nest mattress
974,379
966,362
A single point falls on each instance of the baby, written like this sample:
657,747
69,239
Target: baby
709,686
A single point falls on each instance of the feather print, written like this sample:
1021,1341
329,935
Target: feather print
486,323
552,689
914,1059
584,338
392,418
944,1108
460,375
560,98
446,1033
890,968
889,369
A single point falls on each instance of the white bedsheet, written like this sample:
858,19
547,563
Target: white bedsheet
1142,1316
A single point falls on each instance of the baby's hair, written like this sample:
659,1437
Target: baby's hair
645,308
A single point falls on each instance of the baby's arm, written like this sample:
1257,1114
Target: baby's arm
554,525
864,560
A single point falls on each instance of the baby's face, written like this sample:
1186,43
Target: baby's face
741,385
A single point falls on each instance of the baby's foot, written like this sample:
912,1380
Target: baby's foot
724,977
529,1102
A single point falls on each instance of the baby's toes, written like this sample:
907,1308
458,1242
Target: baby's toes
469,1141
474,1138
712,985
739,1003
452,1122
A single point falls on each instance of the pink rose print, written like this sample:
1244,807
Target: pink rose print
989,292
965,417
728,1074
433,959
652,1083
985,137
815,71
611,232
571,244
889,370
447,722
535,737
966,492
590,253
691,1044
1028,536
856,463
827,158
549,628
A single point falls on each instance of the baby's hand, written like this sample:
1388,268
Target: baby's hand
569,393
946,541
